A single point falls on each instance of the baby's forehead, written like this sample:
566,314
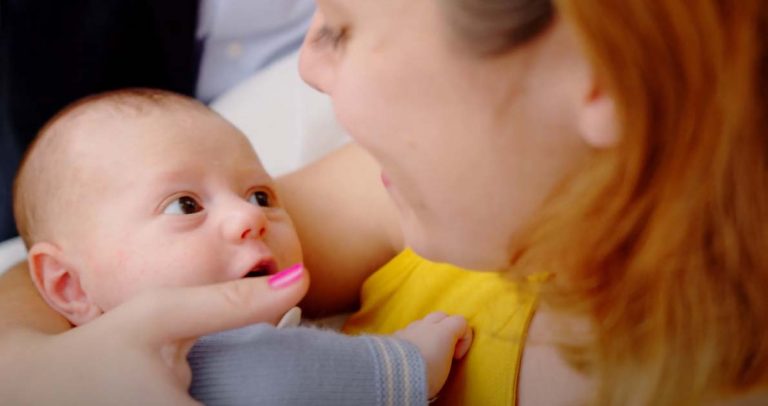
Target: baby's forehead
109,126
92,133
165,135
103,114
149,133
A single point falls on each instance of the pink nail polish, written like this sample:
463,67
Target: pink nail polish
286,277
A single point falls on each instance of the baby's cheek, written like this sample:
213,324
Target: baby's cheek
106,292
127,275
121,258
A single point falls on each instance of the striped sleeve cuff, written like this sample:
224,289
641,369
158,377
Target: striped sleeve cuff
400,372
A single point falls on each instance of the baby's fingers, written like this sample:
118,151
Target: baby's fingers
435,317
460,329
462,346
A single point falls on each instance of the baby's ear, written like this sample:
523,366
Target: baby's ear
59,283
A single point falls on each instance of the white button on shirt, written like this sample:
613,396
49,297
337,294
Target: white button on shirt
242,36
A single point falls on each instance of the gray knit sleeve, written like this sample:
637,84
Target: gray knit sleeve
262,365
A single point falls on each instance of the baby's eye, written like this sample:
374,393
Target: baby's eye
260,198
183,205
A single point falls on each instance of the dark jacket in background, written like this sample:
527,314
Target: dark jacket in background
53,52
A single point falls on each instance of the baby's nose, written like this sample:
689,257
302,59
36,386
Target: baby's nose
246,221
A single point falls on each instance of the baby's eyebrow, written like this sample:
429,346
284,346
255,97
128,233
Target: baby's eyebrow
257,176
164,177
167,180
253,171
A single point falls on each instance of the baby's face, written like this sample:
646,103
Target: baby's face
175,199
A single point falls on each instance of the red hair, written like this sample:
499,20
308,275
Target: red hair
662,242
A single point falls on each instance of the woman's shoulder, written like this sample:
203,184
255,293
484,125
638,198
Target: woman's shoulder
545,377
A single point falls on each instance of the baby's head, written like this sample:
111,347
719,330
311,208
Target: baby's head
138,189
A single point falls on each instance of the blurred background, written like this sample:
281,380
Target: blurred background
53,52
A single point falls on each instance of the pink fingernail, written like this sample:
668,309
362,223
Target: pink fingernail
286,277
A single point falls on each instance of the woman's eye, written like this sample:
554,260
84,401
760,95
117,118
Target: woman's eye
183,205
260,198
326,35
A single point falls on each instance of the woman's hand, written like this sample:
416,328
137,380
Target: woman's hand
136,353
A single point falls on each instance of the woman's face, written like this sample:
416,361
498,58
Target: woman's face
469,146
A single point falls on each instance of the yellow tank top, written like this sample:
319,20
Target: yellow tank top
499,311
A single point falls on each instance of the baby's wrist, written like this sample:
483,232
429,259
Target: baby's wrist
402,370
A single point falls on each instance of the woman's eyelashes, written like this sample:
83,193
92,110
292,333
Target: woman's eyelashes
183,205
327,35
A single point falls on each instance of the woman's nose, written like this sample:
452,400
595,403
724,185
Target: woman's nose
244,221
316,62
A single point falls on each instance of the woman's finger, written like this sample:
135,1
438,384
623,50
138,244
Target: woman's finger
174,314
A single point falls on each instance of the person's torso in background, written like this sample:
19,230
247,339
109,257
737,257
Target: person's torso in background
240,37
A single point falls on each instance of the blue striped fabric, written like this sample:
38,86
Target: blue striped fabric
262,365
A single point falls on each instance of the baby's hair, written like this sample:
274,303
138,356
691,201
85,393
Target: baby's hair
44,167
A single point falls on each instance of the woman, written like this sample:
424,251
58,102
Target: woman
639,181
619,146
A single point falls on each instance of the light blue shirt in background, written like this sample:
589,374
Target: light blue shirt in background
240,37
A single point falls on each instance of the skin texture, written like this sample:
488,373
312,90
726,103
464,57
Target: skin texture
452,132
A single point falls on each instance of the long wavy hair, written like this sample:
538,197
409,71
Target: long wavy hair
662,242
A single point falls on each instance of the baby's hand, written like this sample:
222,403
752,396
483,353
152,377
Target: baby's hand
440,339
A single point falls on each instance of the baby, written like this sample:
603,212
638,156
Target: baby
138,189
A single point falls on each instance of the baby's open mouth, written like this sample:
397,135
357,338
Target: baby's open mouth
262,268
